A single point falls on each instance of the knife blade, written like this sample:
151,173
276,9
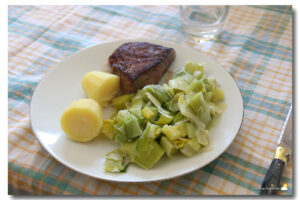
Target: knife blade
271,183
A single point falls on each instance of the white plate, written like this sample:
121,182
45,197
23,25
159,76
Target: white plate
61,87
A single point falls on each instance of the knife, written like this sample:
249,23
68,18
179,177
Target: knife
271,183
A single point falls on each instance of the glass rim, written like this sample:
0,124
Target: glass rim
208,25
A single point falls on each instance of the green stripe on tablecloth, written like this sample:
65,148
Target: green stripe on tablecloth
36,175
234,42
280,9
238,171
211,169
266,28
204,177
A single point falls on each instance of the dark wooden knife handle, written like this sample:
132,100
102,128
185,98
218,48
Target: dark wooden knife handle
271,183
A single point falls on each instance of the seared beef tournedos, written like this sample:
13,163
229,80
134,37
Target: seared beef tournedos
140,63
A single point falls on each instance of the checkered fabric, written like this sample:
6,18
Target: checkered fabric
255,47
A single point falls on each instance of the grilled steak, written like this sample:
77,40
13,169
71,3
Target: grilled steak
140,63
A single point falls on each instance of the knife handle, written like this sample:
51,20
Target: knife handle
271,183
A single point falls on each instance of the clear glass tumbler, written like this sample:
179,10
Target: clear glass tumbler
203,23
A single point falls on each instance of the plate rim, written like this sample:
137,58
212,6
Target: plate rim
65,163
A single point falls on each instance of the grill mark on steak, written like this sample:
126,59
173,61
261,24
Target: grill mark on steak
140,63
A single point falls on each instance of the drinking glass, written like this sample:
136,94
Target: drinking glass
202,23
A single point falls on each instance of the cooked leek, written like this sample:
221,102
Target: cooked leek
171,132
147,112
218,95
116,161
121,101
145,159
171,118
164,119
107,128
168,146
191,67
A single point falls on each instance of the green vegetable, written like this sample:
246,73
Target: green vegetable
142,144
171,132
189,113
185,76
168,90
121,101
190,148
107,128
168,146
116,161
120,134
164,119
151,132
145,159
200,107
174,117
147,112
157,91
127,127
196,86
191,67
136,106
157,104
133,129
202,136
182,128
191,129
178,117
218,95
178,85
180,142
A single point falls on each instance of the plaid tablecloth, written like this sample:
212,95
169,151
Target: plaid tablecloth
255,47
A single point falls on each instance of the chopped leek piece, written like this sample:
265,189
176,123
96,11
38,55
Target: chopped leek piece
178,117
183,75
157,104
182,128
121,101
218,95
191,128
142,144
168,146
188,112
202,136
164,119
158,92
191,67
178,84
145,159
190,148
107,128
147,113
120,134
200,107
208,96
196,86
198,74
171,132
136,106
116,161
153,131
133,129
121,116
212,83
179,143
168,90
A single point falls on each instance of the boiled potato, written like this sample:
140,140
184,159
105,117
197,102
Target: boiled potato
82,120
100,86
